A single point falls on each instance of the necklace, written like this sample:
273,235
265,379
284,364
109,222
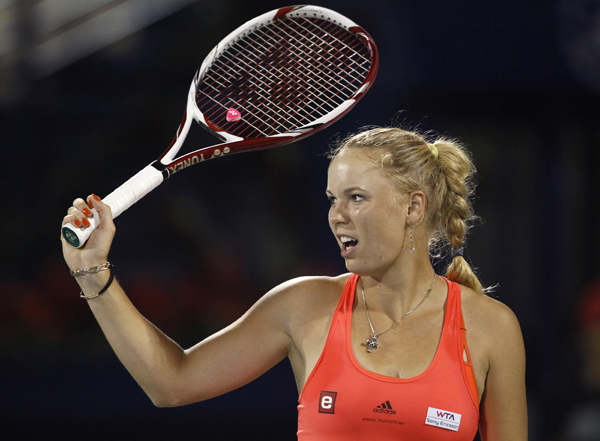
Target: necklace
372,341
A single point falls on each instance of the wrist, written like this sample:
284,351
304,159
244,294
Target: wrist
94,269
102,291
94,280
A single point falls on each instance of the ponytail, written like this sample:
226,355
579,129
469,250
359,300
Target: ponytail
456,212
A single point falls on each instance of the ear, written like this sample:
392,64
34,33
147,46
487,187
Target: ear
417,201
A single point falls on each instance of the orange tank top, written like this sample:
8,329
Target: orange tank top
343,401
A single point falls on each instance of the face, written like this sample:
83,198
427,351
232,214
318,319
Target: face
367,215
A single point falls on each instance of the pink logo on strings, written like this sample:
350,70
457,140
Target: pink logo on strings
233,115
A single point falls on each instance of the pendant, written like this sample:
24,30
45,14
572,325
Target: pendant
372,344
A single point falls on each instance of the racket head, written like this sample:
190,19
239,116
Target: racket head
283,76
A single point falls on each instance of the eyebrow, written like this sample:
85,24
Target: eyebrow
346,191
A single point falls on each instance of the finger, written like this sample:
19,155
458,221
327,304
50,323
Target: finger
103,209
76,211
77,214
74,218
81,205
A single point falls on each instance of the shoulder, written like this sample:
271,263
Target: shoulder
301,301
310,284
309,292
295,305
484,311
491,322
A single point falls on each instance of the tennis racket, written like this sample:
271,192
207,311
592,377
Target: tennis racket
276,79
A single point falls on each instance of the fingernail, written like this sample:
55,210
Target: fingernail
95,197
91,203
86,222
87,212
77,223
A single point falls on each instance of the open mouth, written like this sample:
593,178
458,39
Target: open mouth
348,243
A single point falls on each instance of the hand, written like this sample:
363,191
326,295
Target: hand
96,249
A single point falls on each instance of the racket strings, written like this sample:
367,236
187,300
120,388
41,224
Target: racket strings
283,75
310,80
328,59
243,90
257,83
297,87
282,88
314,69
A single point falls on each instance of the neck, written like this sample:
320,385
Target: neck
396,294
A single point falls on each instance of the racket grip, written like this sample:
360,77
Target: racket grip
119,200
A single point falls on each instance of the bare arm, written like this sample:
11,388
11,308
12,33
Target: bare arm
170,375
504,404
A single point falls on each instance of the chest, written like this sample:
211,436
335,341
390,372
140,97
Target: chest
402,351
402,393
347,407
412,387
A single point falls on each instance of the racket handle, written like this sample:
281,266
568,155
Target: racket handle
119,200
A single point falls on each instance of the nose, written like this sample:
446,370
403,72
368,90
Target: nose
338,214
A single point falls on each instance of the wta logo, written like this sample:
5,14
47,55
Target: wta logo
443,419
385,408
447,415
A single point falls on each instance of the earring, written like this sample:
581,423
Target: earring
412,246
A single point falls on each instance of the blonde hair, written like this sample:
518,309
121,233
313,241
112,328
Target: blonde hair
441,168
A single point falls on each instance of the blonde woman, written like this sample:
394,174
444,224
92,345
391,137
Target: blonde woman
389,351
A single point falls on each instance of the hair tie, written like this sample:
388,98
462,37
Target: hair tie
458,252
433,149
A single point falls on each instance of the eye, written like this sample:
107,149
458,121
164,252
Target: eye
331,199
357,198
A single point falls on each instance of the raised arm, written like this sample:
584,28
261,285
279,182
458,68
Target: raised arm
170,375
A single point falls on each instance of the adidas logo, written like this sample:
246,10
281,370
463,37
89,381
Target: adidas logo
385,408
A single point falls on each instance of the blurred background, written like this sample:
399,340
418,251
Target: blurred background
92,91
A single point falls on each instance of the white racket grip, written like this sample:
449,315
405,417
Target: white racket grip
119,200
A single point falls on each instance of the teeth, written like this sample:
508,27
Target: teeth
346,239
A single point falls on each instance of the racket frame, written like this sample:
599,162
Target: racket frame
166,165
